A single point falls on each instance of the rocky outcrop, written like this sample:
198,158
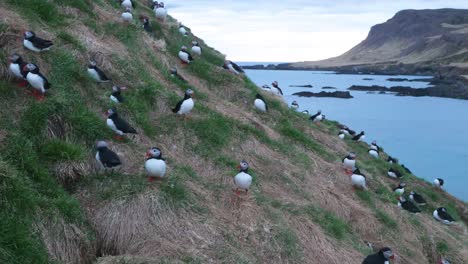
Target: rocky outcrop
336,94
305,86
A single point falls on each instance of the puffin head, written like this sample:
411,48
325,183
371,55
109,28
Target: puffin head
319,112
31,67
305,112
116,89
194,43
111,111
189,93
243,166
29,34
101,145
294,103
402,185
387,253
352,155
15,57
401,199
275,84
92,63
154,153
174,70
161,4
374,142
183,48
128,10
412,193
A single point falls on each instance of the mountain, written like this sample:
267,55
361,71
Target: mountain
436,37
57,206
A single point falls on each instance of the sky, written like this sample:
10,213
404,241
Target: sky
289,31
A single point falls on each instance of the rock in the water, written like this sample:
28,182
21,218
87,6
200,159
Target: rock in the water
336,94
328,87
305,86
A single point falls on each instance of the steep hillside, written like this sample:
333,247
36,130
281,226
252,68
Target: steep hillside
410,37
58,207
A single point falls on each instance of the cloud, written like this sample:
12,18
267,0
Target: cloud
294,30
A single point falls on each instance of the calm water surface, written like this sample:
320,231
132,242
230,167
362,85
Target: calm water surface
427,134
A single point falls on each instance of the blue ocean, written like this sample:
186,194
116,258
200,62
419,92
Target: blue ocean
427,134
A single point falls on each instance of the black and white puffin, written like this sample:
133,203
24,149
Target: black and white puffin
341,135
96,73
305,112
408,205
317,117
146,24
374,146
232,67
243,180
406,169
347,131
392,173
36,80
438,183
185,105
118,125
34,43
106,157
127,4
417,198
373,152
155,165
358,179
392,160
16,68
359,137
185,56
441,215
400,189
182,30
160,12
276,89
382,257
196,49
152,4
127,15
260,103
349,162
265,87
174,73
116,95
294,105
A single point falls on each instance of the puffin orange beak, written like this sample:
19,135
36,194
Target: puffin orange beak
393,256
147,155
238,167
123,88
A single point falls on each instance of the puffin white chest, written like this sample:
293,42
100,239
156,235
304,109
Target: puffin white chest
110,123
36,81
126,16
374,147
184,56
186,107
160,13
358,180
374,153
400,191
114,99
243,180
15,69
94,74
341,135
318,118
260,105
391,174
361,138
182,31
231,69
127,4
276,91
155,167
196,50
29,45
349,163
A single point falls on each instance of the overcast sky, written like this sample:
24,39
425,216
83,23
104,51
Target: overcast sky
294,30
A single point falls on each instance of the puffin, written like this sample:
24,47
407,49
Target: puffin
294,105
36,80
406,169
317,117
382,257
118,125
408,205
341,135
155,165
232,67
348,131
260,103
374,146
349,162
392,173
127,4
276,89
127,15
392,160
160,12
146,24
16,68
196,49
265,87
359,137
441,215
374,153
106,157
34,43
243,180
116,96
185,56
358,179
417,198
96,73
185,105
443,260
182,30
153,4
438,183
305,112
175,74
400,189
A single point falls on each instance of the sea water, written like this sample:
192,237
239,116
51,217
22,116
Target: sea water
427,134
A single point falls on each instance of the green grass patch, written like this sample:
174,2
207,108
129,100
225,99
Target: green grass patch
330,223
385,219
174,191
58,150
288,243
127,34
34,10
213,133
69,39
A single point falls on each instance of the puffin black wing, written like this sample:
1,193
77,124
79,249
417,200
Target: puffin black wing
351,132
406,169
118,96
190,58
123,126
279,89
374,259
41,43
314,116
410,207
101,74
178,105
418,198
46,82
109,158
237,67
445,215
225,66
357,137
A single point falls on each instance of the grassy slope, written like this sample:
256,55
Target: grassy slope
300,209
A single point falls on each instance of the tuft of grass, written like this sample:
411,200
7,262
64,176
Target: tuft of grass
330,223
442,247
127,34
385,219
35,10
214,133
288,243
174,191
58,150
67,38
